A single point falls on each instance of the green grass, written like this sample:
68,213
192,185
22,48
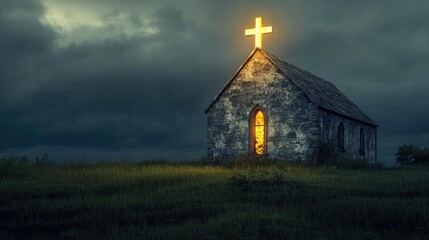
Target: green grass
198,201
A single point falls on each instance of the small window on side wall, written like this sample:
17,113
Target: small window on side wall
361,142
340,137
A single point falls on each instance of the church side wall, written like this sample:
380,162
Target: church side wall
329,123
292,120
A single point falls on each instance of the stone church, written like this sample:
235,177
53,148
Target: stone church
273,109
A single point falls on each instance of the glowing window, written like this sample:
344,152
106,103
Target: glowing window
259,133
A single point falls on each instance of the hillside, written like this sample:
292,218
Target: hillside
161,200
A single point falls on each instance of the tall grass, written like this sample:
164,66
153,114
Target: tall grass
162,200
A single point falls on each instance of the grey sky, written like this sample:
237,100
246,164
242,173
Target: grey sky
109,76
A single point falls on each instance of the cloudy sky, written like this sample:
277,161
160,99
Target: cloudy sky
87,79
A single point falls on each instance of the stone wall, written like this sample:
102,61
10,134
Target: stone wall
292,120
329,123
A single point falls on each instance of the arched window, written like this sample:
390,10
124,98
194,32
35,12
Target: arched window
258,132
362,142
340,140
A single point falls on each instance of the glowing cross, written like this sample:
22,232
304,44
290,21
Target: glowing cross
258,31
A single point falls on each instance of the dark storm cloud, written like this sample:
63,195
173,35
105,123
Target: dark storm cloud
110,94
378,56
137,90
21,36
21,32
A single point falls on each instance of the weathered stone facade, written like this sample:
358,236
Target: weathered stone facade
329,123
295,124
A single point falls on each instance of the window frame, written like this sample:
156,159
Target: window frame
362,142
252,115
341,137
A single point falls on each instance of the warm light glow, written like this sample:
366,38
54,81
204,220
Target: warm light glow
258,31
259,133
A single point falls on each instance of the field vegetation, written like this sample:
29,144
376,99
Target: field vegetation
248,199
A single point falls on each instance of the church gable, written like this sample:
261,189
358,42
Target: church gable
245,75
256,76
290,119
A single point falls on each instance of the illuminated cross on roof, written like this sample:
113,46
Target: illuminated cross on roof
258,31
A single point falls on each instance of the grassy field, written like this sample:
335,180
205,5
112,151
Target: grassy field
199,201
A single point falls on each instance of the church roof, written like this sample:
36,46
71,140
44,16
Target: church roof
321,92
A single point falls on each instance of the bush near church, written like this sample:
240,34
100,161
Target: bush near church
410,154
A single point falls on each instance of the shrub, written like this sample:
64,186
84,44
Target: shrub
330,156
258,179
328,153
249,162
347,163
44,160
410,154
13,166
422,156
